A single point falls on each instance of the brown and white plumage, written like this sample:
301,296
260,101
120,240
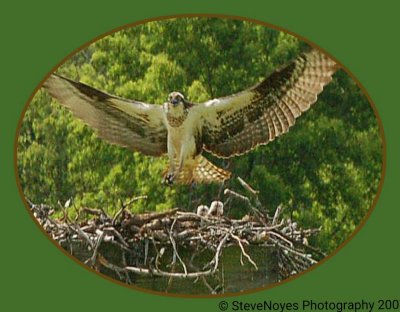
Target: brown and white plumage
132,124
226,127
236,124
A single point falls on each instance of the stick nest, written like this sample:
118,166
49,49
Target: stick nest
151,244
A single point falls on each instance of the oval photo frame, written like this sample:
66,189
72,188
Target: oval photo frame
24,157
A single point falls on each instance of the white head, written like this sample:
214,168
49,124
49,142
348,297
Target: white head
202,210
176,98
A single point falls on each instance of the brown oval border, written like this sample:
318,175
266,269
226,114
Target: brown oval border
222,16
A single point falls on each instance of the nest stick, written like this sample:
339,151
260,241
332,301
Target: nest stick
244,252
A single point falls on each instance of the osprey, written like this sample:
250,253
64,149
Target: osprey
225,127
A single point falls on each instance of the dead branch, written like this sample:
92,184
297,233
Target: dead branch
218,252
259,215
174,247
248,187
244,252
125,205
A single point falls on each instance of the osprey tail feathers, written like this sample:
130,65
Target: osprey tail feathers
207,172
201,170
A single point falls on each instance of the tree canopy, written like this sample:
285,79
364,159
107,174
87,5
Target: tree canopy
325,171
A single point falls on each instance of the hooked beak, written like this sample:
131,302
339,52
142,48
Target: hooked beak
174,101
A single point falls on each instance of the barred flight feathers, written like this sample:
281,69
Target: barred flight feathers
135,125
238,123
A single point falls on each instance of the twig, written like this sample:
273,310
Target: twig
277,214
259,215
78,230
96,248
203,279
244,252
252,191
312,261
281,237
117,234
142,271
217,253
248,187
124,206
174,247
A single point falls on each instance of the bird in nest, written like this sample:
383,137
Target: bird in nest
216,209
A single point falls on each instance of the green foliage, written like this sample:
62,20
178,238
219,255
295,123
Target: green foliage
326,171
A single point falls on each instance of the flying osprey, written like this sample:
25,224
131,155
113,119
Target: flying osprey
226,127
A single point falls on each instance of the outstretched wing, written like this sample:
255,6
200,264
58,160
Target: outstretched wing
135,125
235,124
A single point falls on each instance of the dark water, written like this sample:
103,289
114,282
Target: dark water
232,276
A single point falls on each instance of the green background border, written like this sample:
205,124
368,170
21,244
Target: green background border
38,34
